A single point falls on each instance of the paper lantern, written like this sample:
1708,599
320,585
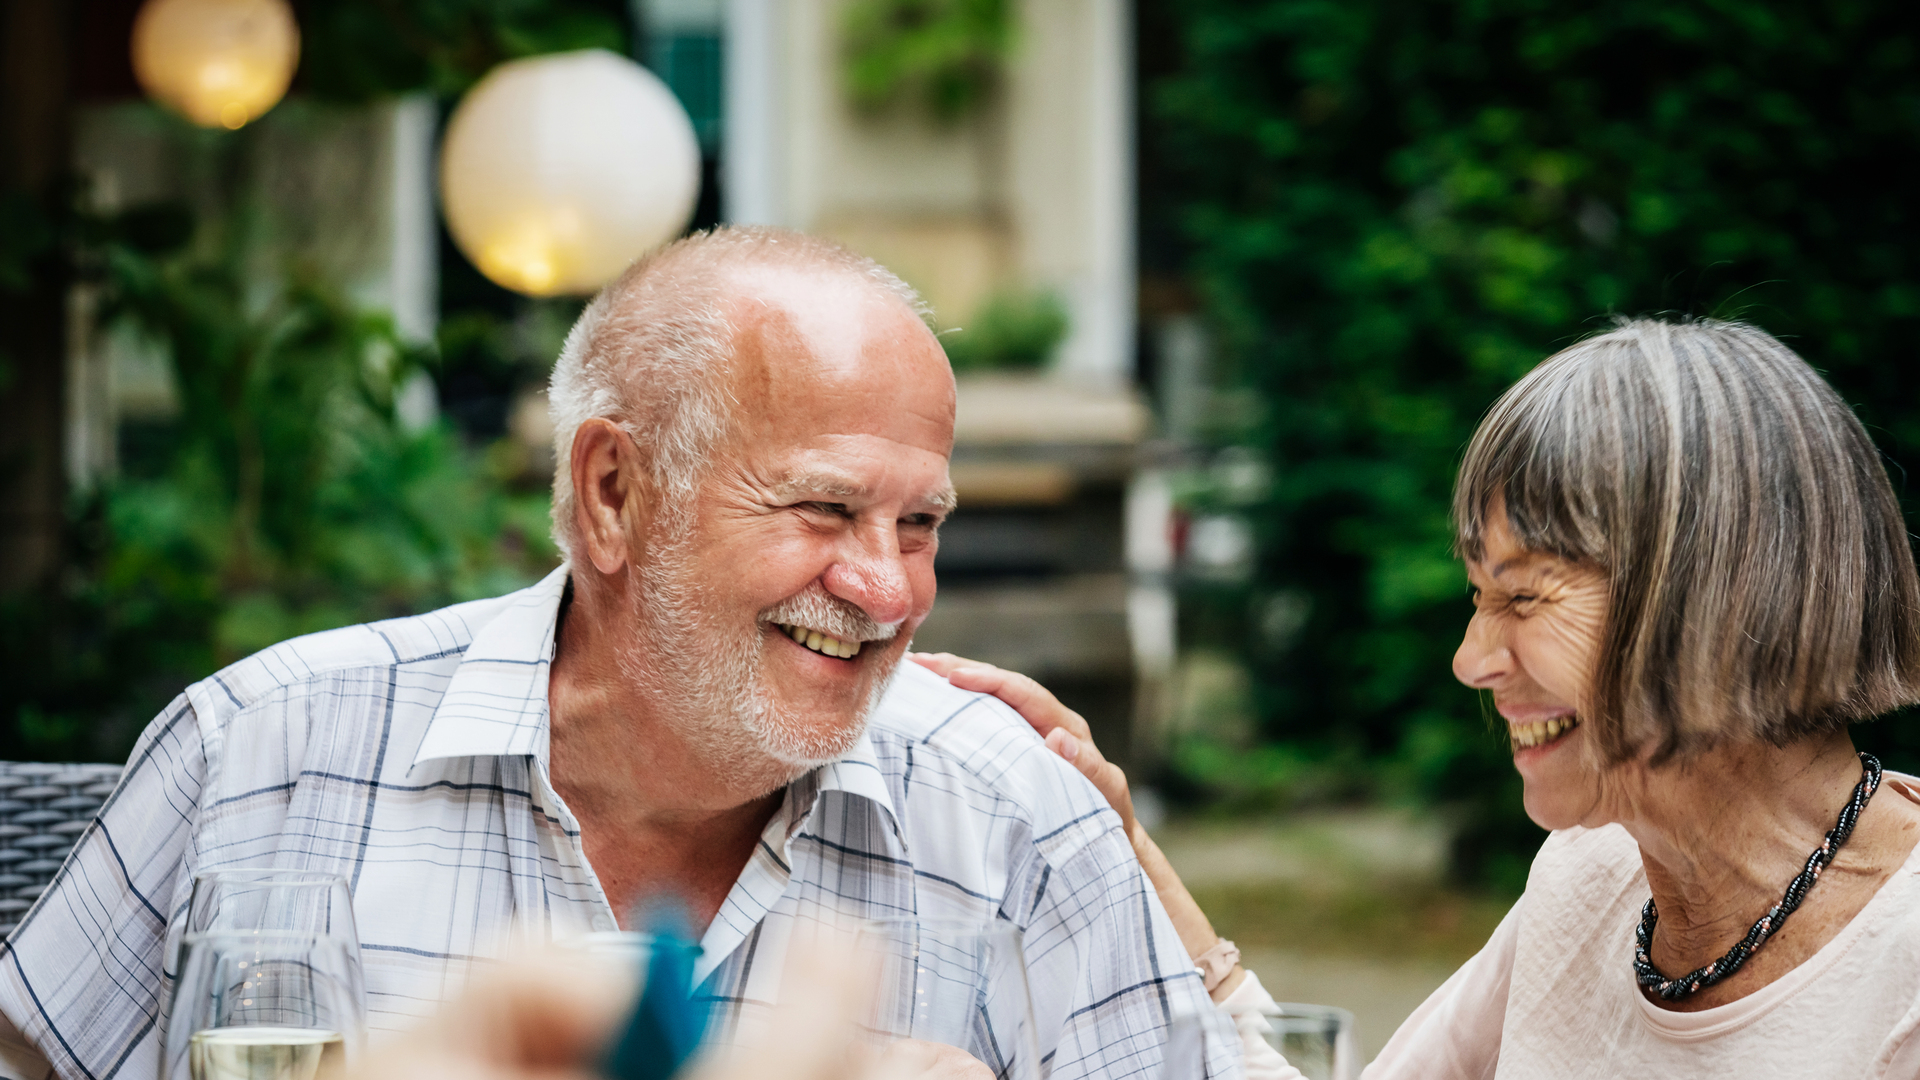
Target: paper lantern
219,63
557,171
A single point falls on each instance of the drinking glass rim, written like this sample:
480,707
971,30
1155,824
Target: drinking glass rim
975,926
629,937
238,934
266,874
1306,1009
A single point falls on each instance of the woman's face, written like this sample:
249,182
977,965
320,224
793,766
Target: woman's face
1532,642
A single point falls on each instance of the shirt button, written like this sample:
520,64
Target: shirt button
604,923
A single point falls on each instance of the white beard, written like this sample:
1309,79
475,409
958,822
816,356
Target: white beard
705,675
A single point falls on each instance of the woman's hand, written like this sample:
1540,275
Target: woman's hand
1065,731
1067,734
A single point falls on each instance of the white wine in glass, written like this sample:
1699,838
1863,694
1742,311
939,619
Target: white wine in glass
263,1005
264,1053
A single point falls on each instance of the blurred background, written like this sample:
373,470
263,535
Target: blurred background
1227,284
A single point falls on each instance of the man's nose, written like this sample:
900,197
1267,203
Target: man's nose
872,573
1483,658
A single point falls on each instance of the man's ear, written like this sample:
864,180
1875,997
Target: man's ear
606,480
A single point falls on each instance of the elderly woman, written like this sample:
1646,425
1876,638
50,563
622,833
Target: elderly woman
1690,576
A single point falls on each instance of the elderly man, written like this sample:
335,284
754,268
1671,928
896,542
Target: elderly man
706,700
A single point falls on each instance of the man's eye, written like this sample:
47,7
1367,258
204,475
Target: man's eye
831,509
920,521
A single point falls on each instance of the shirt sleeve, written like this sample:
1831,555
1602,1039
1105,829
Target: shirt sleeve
1102,954
1455,1033
83,976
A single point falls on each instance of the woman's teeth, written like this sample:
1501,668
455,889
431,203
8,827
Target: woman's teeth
1541,732
821,643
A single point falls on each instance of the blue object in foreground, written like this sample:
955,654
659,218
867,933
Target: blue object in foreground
666,1026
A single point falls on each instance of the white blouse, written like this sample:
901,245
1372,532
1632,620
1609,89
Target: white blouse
1552,995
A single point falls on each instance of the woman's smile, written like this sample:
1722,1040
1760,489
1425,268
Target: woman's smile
1541,735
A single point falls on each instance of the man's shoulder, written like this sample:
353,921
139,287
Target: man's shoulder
441,635
981,751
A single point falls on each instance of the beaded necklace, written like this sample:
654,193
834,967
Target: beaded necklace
1770,923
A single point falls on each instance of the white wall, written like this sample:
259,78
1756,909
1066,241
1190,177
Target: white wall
1036,193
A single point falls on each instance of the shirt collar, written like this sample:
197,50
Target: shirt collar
857,772
496,702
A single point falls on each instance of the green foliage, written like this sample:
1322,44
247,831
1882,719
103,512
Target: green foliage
947,54
1395,207
29,240
1011,331
359,49
286,498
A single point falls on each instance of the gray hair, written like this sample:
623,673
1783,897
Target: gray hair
652,351
1761,582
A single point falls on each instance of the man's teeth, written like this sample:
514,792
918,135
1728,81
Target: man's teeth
1541,732
821,643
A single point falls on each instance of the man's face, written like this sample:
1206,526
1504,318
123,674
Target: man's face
805,564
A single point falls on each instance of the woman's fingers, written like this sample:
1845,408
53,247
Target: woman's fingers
1066,732
1064,744
940,663
1035,703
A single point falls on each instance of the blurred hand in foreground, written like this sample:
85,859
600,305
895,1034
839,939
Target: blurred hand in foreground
553,1017
550,1017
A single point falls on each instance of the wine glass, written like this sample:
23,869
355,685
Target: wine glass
251,898
256,898
959,983
1184,1055
1316,1039
263,1005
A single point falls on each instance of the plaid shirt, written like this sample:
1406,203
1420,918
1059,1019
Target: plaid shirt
411,756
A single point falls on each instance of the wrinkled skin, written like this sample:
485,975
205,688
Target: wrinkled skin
1720,832
679,708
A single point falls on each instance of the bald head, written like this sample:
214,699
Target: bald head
656,351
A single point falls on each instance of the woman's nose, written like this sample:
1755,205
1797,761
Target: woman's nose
1482,658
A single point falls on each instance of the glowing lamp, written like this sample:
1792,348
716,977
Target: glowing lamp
557,171
219,63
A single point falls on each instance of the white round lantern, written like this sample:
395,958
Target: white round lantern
219,63
557,171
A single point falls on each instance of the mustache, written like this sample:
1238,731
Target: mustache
818,609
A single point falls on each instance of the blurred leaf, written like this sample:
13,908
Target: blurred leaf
286,497
947,54
1012,330
355,50
1394,208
